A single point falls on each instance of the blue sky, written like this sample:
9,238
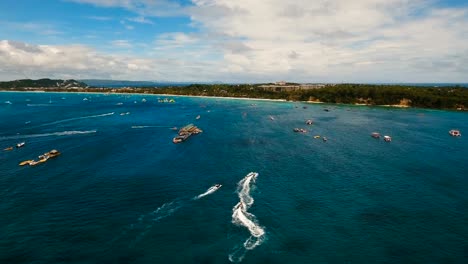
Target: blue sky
236,41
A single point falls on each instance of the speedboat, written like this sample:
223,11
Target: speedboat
325,139
8,102
143,100
387,138
317,136
19,145
455,133
309,122
272,118
375,135
8,149
85,99
198,117
217,186
299,130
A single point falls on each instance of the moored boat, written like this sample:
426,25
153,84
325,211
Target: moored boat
309,122
21,144
387,138
185,133
375,135
455,133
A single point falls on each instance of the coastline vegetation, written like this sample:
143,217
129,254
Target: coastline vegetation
453,97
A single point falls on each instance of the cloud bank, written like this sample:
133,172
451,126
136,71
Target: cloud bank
252,41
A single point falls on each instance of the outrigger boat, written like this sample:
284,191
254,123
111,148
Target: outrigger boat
42,158
185,133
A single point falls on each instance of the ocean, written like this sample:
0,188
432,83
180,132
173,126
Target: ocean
122,192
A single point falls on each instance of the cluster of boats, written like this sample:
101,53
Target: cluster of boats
41,158
377,136
19,145
185,133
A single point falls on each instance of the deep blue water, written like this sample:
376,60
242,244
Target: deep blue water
119,194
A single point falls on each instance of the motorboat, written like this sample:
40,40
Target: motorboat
317,136
375,135
387,138
325,139
271,118
217,186
198,117
8,102
8,149
309,122
21,144
143,100
299,130
85,99
455,133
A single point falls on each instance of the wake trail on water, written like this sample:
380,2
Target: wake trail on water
62,133
139,127
73,119
241,217
137,231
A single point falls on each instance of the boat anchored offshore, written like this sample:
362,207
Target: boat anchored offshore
375,135
309,122
185,133
42,158
455,133
299,130
19,145
387,138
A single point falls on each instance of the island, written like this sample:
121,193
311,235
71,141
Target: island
444,97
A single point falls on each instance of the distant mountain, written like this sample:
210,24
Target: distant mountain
45,83
124,83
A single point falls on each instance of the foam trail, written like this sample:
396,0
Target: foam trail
62,133
146,222
210,190
75,118
147,126
241,217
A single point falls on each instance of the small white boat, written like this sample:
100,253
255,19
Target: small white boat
8,102
198,117
271,118
455,133
387,138
143,100
21,144
375,135
85,99
309,122
119,103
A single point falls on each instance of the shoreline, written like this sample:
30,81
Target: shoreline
233,98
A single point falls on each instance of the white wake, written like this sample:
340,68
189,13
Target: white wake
75,118
241,217
62,133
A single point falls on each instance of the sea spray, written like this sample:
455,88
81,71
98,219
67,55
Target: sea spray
241,217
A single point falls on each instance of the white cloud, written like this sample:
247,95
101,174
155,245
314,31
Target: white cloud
298,40
121,43
141,20
20,59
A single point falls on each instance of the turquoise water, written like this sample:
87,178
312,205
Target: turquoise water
122,192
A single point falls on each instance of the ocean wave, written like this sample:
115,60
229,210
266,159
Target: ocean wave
241,217
62,133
